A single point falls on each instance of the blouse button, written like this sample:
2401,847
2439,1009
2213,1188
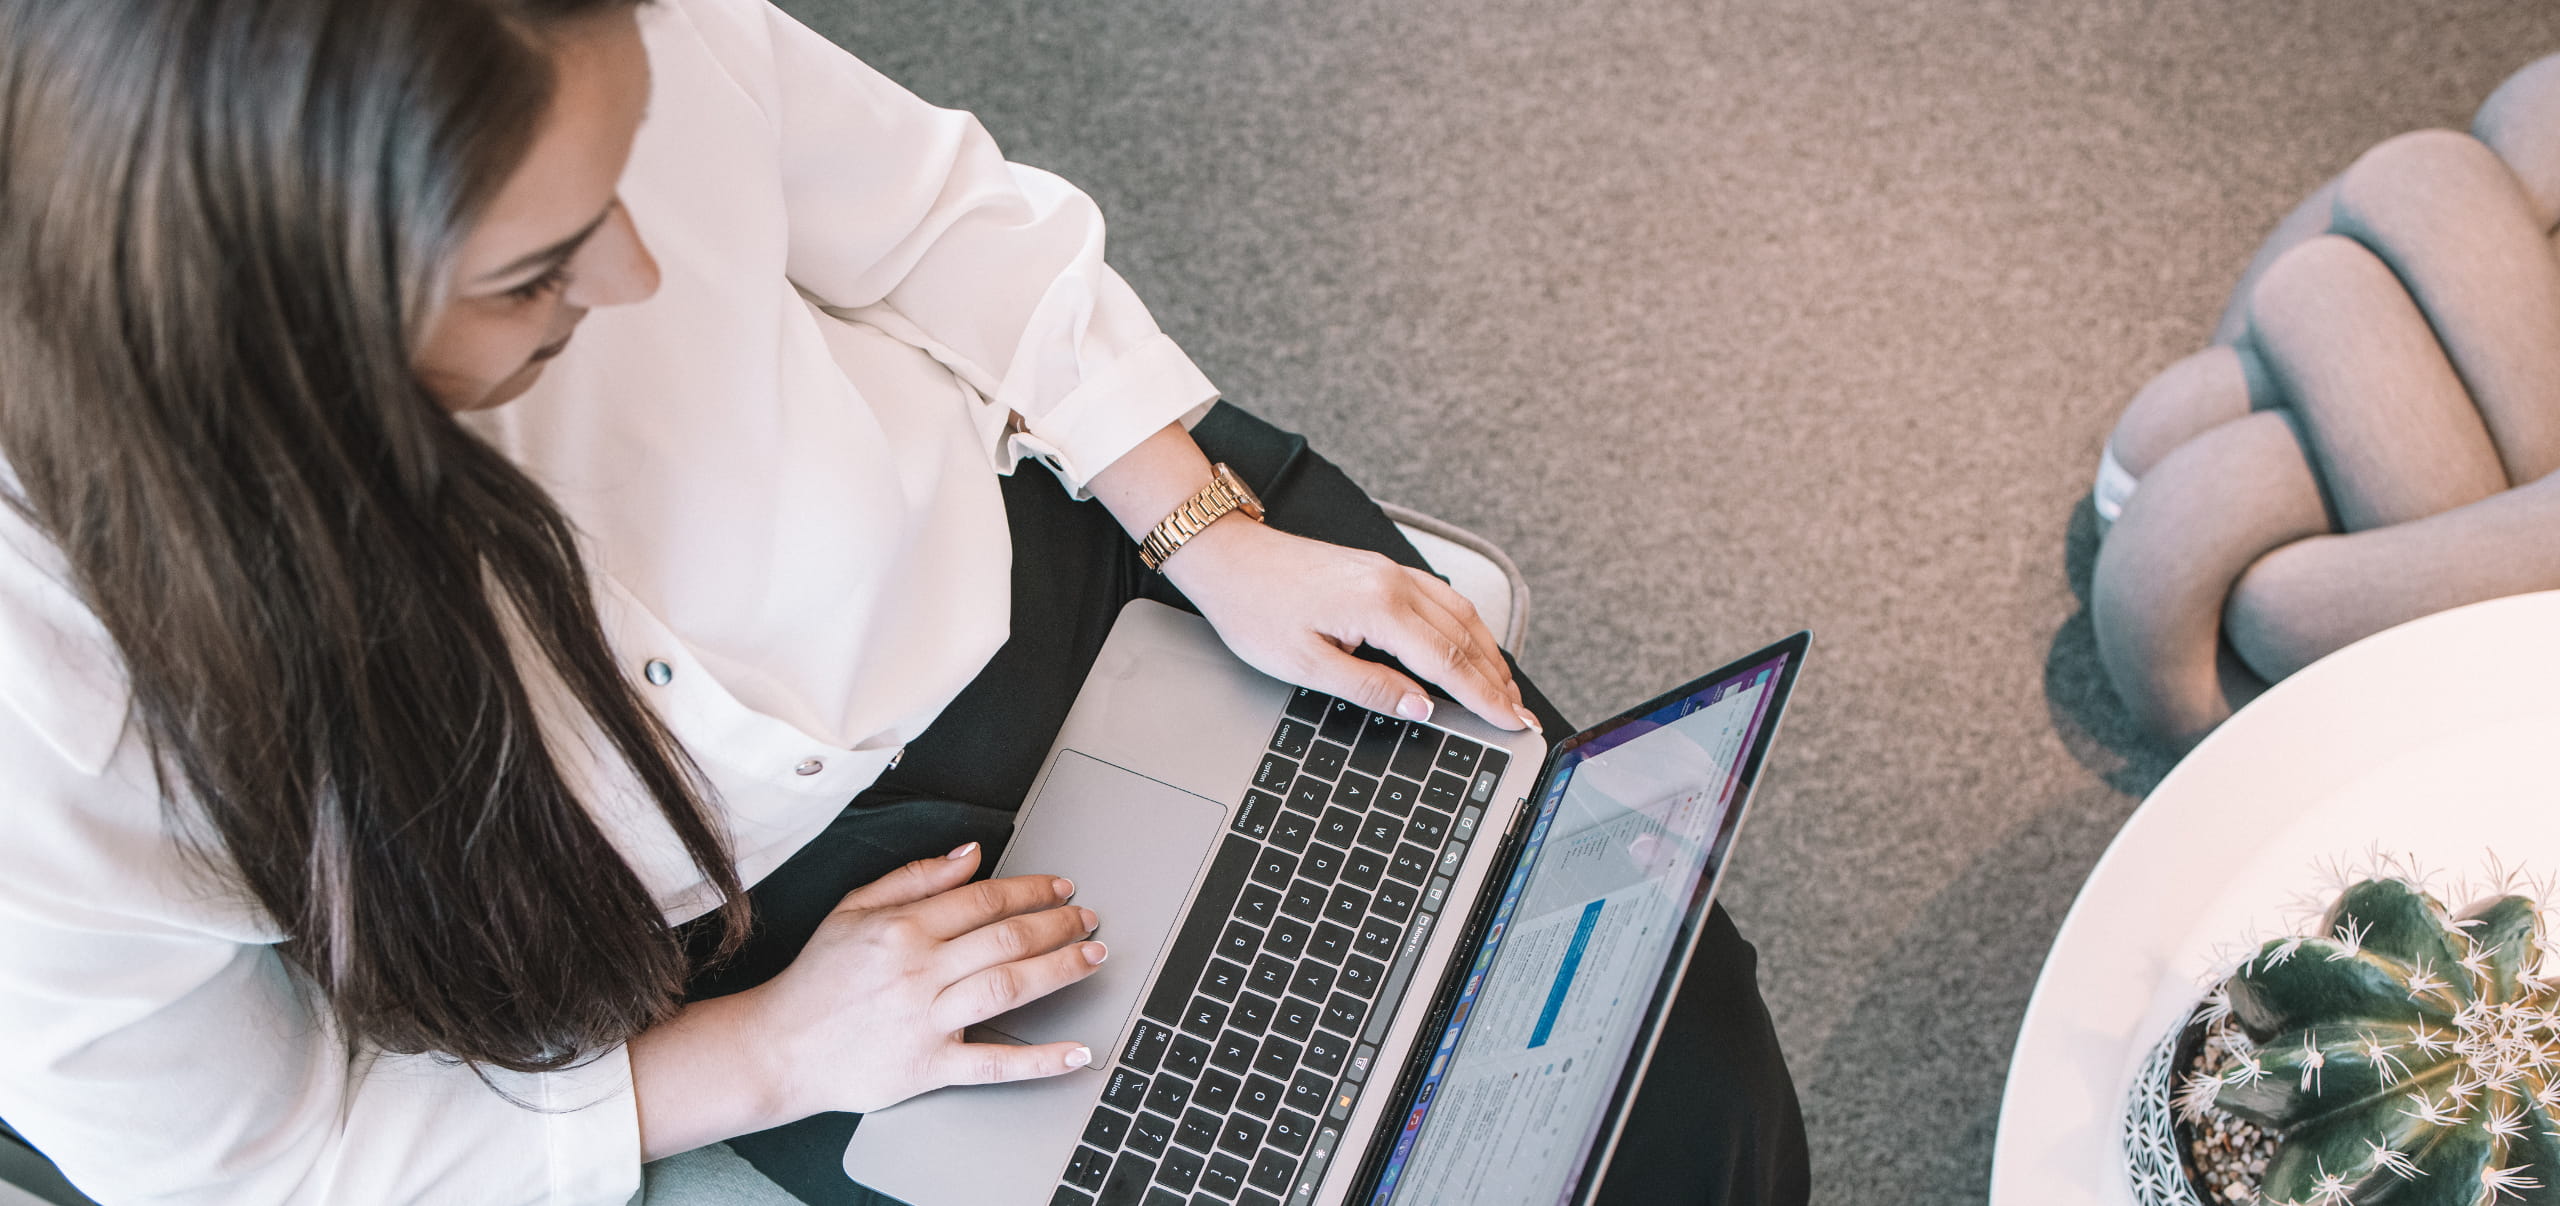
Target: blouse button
810,767
660,673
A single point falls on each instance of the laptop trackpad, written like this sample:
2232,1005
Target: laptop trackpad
1133,846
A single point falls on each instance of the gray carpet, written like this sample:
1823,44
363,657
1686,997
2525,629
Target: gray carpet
1732,317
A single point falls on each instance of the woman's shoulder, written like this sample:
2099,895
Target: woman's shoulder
61,678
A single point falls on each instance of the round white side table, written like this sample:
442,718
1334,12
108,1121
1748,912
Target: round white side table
2438,739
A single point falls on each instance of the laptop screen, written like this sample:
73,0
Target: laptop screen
1580,954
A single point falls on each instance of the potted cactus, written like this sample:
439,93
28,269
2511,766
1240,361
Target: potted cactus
2400,1056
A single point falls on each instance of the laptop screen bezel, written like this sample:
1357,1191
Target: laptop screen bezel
1612,1122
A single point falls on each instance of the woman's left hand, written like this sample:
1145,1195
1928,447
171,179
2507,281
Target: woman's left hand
1295,608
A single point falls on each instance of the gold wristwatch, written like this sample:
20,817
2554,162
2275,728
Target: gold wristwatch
1225,492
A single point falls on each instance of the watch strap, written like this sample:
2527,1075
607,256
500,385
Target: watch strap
1205,506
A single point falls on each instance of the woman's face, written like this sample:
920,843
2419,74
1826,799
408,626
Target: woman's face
555,242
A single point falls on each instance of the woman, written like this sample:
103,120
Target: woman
490,480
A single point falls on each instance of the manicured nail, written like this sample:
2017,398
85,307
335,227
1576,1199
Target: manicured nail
1065,887
1079,1057
1091,922
966,848
1414,706
1095,953
1530,719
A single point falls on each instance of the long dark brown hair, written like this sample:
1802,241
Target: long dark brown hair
223,224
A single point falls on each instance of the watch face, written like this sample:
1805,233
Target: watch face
1250,502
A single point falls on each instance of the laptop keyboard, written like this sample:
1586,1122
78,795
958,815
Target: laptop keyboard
1264,1023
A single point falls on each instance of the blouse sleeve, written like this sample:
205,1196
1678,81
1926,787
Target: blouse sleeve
908,217
157,1049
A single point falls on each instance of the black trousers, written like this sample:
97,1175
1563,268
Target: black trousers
1716,1121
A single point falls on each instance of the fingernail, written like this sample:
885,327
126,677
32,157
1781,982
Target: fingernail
1530,719
963,852
1095,953
1079,1057
1414,706
1065,887
1091,922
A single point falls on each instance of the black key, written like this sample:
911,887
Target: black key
1312,981
1420,747
1129,1176
1340,827
1332,943
1377,938
1344,1012
1259,905
1287,939
1273,1171
1169,1095
1458,757
1180,1171
1377,743
1447,793
1488,773
1270,976
1292,830
1199,1131
1224,1176
1395,901
1240,942
1310,1090
1321,864
1087,1169
1216,1092
1252,1014
1204,1018
1308,704
1347,905
1381,832
1105,1131
1161,1196
1261,1096
1190,951
1275,774
1188,1059
1296,1018
1308,794
1363,867
1069,1195
1242,1135
1124,1090
1254,816
1361,975
1222,980
1412,863
1397,795
1428,827
1255,1197
1355,792
1305,901
1273,868
1291,738
1150,1133
1342,721
1325,760
1290,1131
1325,1053
1234,1051
1279,1056
1145,1048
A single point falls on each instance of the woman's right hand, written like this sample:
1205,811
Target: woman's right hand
871,1011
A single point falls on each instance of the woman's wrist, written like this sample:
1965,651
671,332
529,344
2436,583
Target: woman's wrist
710,1073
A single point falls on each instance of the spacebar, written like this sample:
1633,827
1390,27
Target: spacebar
1189,955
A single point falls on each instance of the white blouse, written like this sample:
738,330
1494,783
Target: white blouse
784,465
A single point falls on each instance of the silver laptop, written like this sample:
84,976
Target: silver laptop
1353,958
